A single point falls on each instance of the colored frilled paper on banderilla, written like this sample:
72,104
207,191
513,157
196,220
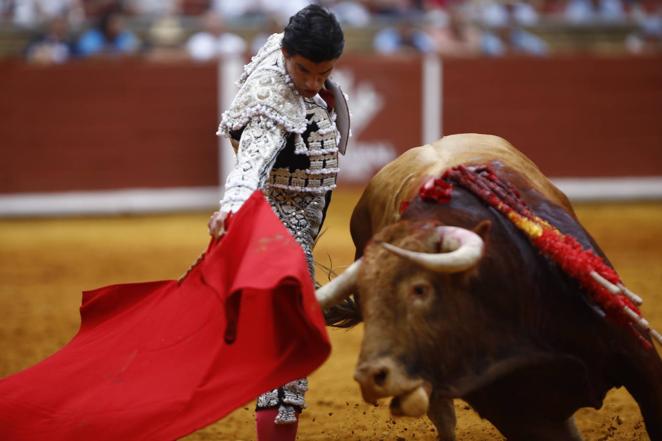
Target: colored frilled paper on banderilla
159,360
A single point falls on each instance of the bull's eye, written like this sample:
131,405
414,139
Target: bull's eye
421,290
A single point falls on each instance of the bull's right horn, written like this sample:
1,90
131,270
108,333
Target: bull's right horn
461,249
339,288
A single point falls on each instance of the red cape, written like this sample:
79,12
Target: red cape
159,360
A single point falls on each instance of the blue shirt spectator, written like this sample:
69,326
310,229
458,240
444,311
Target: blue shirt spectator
514,40
403,37
588,11
505,33
109,37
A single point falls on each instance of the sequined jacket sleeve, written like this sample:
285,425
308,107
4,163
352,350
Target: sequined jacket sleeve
261,141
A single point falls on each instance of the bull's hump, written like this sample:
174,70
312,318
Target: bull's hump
400,180
474,148
416,164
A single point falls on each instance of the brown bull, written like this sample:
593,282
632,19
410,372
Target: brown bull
474,311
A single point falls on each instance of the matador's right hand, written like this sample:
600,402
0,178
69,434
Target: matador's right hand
216,224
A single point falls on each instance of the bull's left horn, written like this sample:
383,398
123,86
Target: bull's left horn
339,288
460,250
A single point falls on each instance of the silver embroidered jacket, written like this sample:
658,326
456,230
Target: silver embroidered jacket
288,147
285,144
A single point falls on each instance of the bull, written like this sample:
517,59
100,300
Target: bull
457,303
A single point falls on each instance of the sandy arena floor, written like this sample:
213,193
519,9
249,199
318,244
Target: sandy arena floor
46,263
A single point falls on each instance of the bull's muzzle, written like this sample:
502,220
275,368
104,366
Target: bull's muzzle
383,378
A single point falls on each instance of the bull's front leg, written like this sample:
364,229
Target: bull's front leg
442,414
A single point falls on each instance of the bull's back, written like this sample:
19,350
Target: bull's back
400,179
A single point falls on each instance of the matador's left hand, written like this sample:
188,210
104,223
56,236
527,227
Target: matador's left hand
216,224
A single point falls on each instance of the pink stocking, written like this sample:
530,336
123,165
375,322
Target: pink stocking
267,430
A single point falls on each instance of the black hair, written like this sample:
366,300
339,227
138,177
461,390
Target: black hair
314,33
105,21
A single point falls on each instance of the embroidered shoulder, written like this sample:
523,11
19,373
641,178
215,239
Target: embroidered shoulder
266,90
272,46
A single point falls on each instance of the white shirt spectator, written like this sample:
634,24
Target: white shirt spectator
498,15
214,41
204,46
154,8
584,11
232,9
579,11
350,13
525,14
611,10
283,8
31,13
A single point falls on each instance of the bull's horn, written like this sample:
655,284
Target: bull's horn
339,288
460,250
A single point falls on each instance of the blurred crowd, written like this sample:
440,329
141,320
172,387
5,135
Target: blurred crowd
207,29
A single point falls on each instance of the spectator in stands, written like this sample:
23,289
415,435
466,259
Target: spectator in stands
32,13
214,41
108,37
431,5
272,25
579,11
152,8
98,8
166,35
392,8
552,8
284,9
235,9
452,34
505,33
501,12
52,46
166,31
352,13
404,36
194,7
590,11
647,38
5,8
612,10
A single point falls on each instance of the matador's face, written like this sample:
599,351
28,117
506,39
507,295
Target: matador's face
308,76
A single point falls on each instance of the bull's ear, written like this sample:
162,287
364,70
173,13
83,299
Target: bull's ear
483,229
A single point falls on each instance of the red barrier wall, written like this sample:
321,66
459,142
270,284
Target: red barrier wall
572,116
137,124
397,82
107,125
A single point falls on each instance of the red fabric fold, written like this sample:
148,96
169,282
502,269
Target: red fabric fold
159,360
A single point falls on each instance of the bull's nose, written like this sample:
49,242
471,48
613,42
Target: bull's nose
383,377
374,376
